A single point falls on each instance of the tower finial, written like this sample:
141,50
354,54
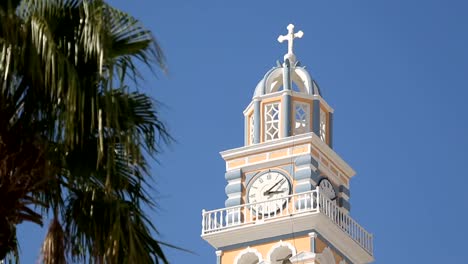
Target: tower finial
290,38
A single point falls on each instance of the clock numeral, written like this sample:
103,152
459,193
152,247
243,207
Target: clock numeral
253,195
269,177
260,180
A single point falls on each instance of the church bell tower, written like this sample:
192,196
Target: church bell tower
287,189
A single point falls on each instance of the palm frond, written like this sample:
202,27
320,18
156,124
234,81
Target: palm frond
62,116
53,247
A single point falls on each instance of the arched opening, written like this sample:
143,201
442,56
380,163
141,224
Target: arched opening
248,256
301,118
281,253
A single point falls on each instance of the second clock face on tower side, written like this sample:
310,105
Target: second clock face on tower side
266,190
326,187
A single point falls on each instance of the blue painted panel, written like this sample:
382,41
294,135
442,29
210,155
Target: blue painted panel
344,203
316,117
313,247
287,75
288,168
307,174
233,174
303,174
257,122
345,190
303,187
305,160
250,175
233,188
232,202
286,113
315,176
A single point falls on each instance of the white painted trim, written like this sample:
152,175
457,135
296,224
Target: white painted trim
247,109
246,251
324,103
235,195
281,243
268,96
235,181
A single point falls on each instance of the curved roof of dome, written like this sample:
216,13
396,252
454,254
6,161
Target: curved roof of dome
273,82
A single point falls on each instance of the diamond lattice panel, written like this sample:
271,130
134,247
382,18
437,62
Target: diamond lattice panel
302,120
272,121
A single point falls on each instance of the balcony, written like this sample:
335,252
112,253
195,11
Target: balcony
308,210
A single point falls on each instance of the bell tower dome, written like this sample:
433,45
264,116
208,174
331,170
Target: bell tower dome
287,102
287,190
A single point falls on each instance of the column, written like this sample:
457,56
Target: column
286,101
219,253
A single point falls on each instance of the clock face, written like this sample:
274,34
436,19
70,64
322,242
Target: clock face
266,190
327,188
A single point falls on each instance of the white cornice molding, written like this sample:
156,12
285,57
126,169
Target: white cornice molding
310,138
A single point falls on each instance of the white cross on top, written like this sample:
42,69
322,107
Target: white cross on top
290,38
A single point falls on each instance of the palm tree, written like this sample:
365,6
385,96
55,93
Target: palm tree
75,132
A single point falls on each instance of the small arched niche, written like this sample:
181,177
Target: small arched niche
281,252
248,256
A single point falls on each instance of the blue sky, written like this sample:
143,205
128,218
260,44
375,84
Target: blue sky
396,73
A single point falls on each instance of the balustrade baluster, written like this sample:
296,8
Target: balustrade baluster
313,201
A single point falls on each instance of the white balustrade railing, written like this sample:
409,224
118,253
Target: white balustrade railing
296,204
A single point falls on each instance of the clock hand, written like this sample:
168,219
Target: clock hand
270,192
276,184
